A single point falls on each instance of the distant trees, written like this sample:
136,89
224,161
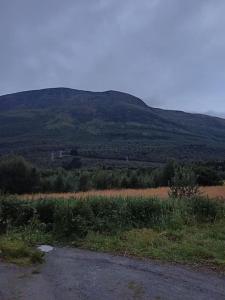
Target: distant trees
207,176
58,180
74,164
168,173
83,184
17,176
74,152
204,175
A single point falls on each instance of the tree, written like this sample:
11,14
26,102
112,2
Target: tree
83,182
17,176
168,173
207,176
134,183
184,183
74,164
59,184
74,152
101,180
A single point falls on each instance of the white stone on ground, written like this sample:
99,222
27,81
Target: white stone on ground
45,248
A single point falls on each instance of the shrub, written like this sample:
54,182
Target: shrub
45,209
205,210
110,215
72,218
184,183
14,213
76,217
145,212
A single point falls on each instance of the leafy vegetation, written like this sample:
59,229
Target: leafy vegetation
182,230
78,216
17,176
199,244
184,183
17,250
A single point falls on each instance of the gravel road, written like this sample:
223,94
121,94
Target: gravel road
70,274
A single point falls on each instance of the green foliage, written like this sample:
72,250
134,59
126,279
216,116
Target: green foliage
58,180
83,182
184,183
17,176
196,244
75,217
168,173
207,176
172,229
205,209
14,213
15,250
12,248
74,164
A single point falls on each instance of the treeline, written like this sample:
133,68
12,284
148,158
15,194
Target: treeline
18,176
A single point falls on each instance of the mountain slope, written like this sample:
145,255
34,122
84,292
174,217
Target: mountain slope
107,125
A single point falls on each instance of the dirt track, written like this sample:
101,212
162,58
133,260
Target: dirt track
71,274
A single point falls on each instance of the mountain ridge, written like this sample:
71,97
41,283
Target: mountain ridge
112,91
117,122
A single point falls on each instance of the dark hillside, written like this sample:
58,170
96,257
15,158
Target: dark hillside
110,125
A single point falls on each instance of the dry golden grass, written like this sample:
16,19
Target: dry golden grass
212,192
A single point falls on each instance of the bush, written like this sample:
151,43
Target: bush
184,183
14,213
145,212
75,218
205,210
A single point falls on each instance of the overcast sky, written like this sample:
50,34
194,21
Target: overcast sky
171,53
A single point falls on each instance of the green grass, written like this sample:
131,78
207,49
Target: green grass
184,231
203,244
15,250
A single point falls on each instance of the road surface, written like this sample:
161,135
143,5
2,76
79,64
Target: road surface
70,274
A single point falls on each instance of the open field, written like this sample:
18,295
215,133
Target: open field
212,192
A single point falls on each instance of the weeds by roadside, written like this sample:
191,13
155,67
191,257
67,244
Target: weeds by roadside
203,245
182,230
15,250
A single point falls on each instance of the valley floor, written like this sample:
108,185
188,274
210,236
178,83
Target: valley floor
79,274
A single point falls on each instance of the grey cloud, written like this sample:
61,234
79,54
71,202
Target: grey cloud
170,52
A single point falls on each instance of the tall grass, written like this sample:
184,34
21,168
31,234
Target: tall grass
184,230
76,217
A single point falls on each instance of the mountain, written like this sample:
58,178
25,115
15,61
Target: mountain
104,126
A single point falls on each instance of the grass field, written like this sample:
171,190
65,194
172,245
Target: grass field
212,192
